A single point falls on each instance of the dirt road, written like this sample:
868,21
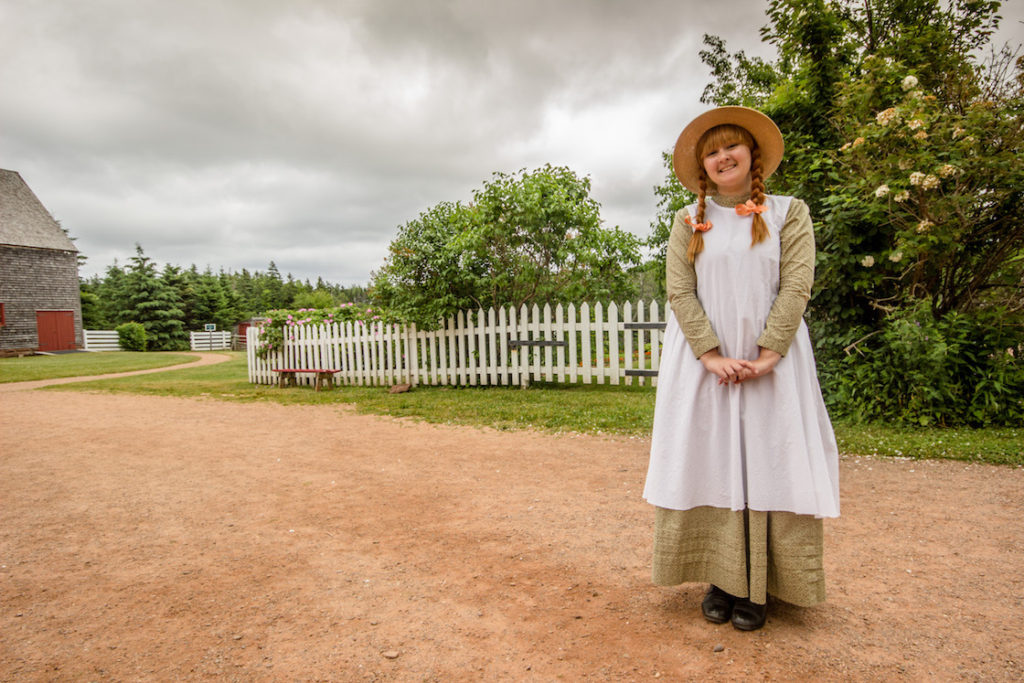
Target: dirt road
156,538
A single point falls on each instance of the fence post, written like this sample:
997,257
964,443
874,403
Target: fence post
560,337
523,352
573,341
585,328
613,342
548,362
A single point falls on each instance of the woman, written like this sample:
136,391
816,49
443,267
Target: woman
744,464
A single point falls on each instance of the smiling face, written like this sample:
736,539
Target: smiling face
725,155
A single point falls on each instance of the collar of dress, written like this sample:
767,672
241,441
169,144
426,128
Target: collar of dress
728,201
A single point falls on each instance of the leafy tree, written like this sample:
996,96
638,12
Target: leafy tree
526,237
429,274
672,196
736,78
318,298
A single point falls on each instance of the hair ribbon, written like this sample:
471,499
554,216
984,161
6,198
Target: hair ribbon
697,227
750,207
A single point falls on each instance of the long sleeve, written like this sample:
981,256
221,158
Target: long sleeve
681,285
796,275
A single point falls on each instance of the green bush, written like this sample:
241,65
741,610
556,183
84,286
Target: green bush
955,370
132,336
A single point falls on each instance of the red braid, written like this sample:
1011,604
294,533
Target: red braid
758,229
697,241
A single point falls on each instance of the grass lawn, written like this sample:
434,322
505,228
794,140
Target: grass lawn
593,409
79,364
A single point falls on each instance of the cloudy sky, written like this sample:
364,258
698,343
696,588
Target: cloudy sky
232,133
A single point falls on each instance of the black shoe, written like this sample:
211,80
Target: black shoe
717,605
748,616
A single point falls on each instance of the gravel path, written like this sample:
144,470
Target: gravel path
146,538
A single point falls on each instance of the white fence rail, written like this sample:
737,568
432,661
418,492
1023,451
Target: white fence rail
210,341
101,340
589,344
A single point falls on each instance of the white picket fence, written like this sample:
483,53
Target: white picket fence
101,340
209,341
505,347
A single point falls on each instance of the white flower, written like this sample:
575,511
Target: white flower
920,135
910,82
930,182
901,196
868,261
916,178
881,191
887,116
924,226
915,124
896,256
948,170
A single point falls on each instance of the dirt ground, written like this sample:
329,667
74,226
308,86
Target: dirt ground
159,538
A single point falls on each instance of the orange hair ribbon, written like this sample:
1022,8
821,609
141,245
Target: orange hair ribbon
697,227
750,207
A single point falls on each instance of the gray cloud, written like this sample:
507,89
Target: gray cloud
234,133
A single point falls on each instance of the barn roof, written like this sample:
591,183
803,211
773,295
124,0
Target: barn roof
24,221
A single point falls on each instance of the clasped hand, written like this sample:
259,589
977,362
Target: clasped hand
736,370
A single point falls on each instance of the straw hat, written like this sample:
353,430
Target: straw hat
762,128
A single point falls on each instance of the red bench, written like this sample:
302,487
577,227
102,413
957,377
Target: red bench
286,377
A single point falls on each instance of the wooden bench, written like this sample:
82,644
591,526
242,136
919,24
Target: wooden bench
286,377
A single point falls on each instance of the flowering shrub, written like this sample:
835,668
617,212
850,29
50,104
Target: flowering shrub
279,323
918,181
922,254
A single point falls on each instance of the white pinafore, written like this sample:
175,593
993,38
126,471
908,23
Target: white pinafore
765,444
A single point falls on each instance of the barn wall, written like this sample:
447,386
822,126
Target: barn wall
36,280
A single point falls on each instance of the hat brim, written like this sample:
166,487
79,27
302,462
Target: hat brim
763,129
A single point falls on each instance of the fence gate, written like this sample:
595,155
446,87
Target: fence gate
210,341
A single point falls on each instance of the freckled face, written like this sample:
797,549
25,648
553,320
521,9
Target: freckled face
728,167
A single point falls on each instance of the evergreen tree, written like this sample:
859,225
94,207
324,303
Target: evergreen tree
272,289
234,309
154,304
113,295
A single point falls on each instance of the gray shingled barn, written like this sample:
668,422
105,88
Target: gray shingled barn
40,304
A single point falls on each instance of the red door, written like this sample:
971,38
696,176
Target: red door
56,330
243,329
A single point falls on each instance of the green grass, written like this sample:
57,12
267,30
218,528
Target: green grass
1000,446
591,409
579,408
78,364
